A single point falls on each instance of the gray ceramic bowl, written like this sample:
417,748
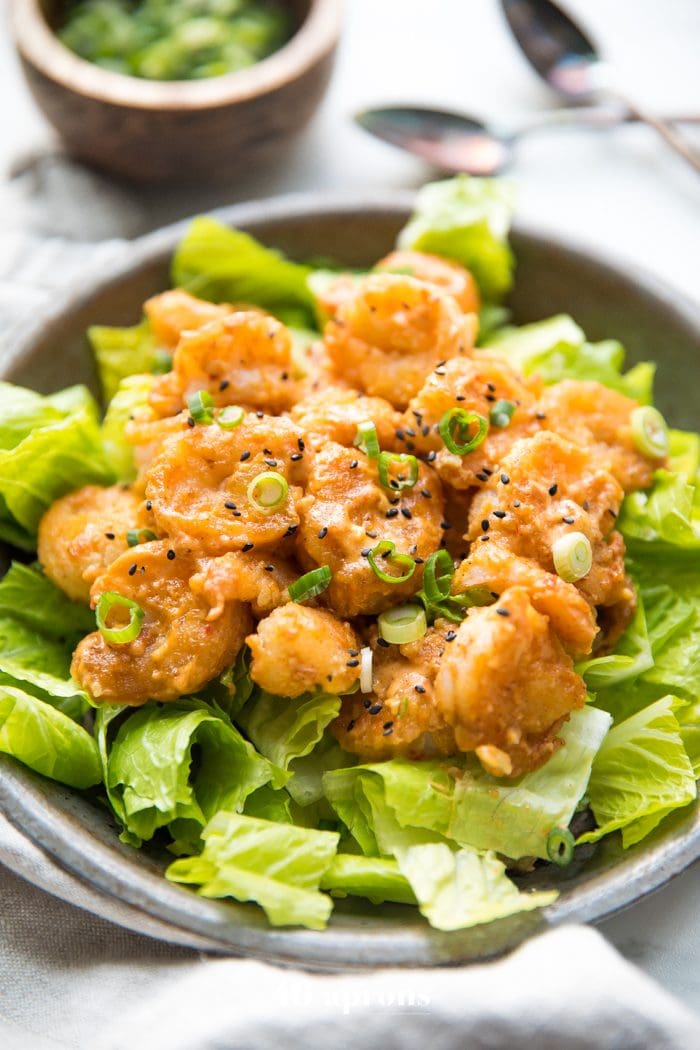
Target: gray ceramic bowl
649,318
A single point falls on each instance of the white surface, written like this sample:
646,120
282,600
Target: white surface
621,192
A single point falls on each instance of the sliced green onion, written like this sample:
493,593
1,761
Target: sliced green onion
311,584
477,595
649,431
502,413
560,846
201,406
162,362
136,536
397,461
402,624
386,550
367,439
229,417
455,428
267,491
437,575
366,661
119,635
573,556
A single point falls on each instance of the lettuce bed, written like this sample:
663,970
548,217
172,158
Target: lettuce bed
250,793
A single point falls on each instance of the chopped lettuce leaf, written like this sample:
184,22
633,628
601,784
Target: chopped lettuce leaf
130,399
229,266
181,761
46,740
640,774
122,352
232,689
491,318
664,516
269,803
279,866
30,597
474,809
284,729
684,455
632,656
44,456
466,219
557,349
306,783
376,878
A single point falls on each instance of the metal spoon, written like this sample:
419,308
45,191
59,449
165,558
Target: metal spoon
571,64
455,142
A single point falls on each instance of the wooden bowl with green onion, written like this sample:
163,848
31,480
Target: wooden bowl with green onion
214,128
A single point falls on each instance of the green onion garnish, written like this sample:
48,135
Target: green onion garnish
367,439
455,428
437,576
560,846
649,431
162,362
229,417
119,635
573,556
311,584
386,550
402,624
435,594
502,413
201,406
136,536
267,491
395,461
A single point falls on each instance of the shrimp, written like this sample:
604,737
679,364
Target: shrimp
451,278
173,312
570,614
260,579
392,332
244,358
346,512
334,415
598,418
178,649
297,649
399,716
505,685
198,485
148,434
552,487
82,533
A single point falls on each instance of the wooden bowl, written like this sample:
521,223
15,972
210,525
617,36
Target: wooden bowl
185,131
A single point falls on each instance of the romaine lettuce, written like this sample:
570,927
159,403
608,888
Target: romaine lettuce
122,352
376,878
131,397
284,729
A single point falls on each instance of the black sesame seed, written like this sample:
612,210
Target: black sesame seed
568,520
487,471
322,533
586,505
230,505
245,456
247,547
613,512
491,387
291,529
353,652
419,561
350,726
388,725
505,480
132,569
391,513
431,456
460,397
499,514
371,533
481,476
236,514
485,525
503,612
445,525
260,414
296,456
450,636
411,432
400,434
149,504
365,552
552,490
419,688
190,421
425,494
354,463
516,502
540,415
366,704
406,513
109,535
271,462
490,397
375,709
383,642
300,444
388,731
170,555
353,663
224,384
269,568
484,539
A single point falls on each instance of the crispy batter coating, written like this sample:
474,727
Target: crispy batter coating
346,512
298,649
333,414
598,418
399,716
178,650
82,533
244,358
505,685
392,332
260,579
475,385
148,434
198,484
173,312
449,277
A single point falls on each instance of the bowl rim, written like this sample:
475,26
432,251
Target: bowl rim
40,48
356,944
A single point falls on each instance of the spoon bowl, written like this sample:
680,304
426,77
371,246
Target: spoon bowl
557,48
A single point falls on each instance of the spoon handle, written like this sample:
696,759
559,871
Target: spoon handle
667,132
593,117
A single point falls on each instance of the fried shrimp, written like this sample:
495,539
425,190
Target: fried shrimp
598,418
346,512
399,716
449,277
297,649
147,434
176,311
260,579
178,648
82,533
202,485
393,332
472,384
334,413
505,685
246,357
